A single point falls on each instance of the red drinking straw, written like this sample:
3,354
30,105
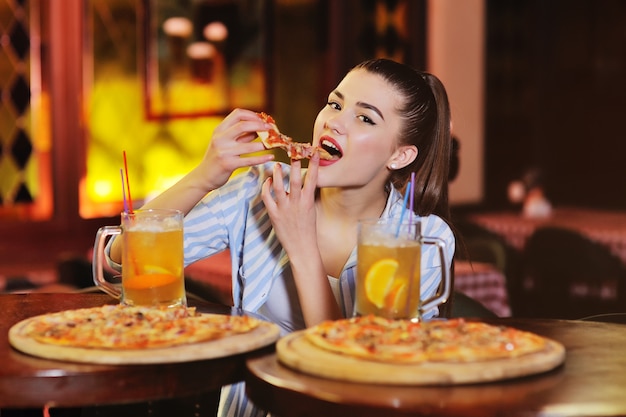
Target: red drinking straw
130,200
124,191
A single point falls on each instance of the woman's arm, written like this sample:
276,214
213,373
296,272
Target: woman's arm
230,148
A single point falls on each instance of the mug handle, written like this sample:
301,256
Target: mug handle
442,297
97,264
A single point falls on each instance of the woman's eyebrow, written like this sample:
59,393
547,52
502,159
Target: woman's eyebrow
370,107
361,104
338,94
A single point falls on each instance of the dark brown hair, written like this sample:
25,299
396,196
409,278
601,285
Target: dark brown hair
426,113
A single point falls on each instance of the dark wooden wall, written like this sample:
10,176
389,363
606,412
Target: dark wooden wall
556,99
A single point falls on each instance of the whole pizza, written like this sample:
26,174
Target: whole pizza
137,334
379,339
375,349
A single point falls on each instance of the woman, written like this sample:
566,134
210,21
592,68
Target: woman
292,238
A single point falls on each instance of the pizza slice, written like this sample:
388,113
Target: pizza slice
295,150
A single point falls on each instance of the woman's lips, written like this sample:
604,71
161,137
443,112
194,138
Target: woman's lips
326,162
331,146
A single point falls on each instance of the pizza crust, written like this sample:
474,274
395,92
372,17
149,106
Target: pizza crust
297,352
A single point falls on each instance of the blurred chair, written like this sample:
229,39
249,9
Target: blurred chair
485,249
445,309
75,271
206,291
568,276
461,305
465,306
478,244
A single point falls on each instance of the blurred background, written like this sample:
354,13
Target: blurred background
533,84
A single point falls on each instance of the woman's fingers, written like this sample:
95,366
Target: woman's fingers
244,121
266,195
281,196
295,180
310,182
277,182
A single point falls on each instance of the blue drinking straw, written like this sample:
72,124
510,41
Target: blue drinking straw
406,199
412,194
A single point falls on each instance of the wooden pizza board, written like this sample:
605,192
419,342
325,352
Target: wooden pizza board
298,353
263,335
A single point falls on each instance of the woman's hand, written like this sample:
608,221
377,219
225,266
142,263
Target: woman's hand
231,146
293,213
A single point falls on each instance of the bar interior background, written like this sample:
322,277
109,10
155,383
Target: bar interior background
532,84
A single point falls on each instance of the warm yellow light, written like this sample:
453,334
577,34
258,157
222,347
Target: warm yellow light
201,50
178,26
102,188
215,32
155,159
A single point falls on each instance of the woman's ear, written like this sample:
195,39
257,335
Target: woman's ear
402,157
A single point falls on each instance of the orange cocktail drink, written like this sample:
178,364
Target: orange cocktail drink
152,265
388,270
152,258
388,278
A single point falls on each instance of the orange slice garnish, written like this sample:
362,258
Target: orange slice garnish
149,281
397,297
379,280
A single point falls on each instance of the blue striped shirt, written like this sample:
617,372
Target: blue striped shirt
234,217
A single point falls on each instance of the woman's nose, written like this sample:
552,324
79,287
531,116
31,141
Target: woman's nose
335,124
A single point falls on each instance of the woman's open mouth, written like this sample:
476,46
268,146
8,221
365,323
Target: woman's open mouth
332,147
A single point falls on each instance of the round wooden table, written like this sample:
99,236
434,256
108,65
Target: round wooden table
592,381
30,382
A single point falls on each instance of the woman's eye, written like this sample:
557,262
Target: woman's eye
334,105
366,119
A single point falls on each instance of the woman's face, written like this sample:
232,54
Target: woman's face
359,126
